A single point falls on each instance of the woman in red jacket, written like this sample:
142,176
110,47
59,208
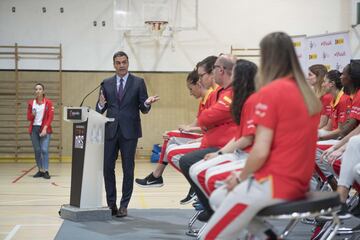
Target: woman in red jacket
40,113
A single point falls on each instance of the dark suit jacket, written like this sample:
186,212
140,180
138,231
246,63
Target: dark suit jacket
126,111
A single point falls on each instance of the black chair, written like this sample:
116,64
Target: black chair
313,205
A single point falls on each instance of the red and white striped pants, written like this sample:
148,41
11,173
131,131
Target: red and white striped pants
176,138
236,210
175,152
210,174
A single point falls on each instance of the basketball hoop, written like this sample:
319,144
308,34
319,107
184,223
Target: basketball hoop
156,27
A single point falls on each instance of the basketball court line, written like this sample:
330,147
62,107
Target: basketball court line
32,200
15,229
21,176
12,233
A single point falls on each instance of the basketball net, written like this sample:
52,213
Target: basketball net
156,27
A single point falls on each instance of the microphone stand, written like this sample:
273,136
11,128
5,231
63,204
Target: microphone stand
89,94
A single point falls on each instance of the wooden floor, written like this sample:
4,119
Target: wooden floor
29,206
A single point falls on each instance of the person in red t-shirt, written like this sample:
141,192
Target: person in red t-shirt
316,77
281,161
340,109
232,156
40,113
340,106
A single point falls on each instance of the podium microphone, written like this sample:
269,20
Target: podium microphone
90,93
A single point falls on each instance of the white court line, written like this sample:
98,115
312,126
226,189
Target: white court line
12,233
33,200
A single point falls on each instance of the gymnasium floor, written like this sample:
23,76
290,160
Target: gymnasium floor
29,208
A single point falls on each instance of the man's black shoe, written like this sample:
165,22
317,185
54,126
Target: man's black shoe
204,216
38,174
189,197
114,210
150,181
122,212
46,175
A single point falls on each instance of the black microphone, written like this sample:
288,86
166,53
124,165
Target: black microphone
90,93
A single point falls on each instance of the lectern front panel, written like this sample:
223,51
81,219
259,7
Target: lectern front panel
78,154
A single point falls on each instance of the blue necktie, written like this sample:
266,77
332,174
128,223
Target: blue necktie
120,91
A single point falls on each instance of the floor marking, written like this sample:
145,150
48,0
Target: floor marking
25,172
57,185
12,233
33,200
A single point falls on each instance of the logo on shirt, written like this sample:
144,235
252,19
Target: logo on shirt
250,124
227,99
260,109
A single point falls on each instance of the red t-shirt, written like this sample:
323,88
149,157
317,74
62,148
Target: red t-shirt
247,126
340,107
326,100
207,101
216,121
291,160
355,107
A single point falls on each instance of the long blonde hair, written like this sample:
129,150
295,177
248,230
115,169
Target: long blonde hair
279,59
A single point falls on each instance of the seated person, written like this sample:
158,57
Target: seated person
316,77
339,106
339,113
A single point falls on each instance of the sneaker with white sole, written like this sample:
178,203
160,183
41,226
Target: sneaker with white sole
150,181
191,196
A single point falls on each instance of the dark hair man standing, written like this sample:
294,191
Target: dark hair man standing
122,95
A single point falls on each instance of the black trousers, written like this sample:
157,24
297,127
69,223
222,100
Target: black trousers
186,162
127,149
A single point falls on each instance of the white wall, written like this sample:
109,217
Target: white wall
241,23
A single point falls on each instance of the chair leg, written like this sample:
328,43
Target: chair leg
289,228
331,229
201,230
193,232
353,201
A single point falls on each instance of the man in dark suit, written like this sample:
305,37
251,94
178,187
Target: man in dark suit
122,96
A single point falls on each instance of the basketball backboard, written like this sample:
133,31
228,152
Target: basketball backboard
135,15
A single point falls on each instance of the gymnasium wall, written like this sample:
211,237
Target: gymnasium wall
241,23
